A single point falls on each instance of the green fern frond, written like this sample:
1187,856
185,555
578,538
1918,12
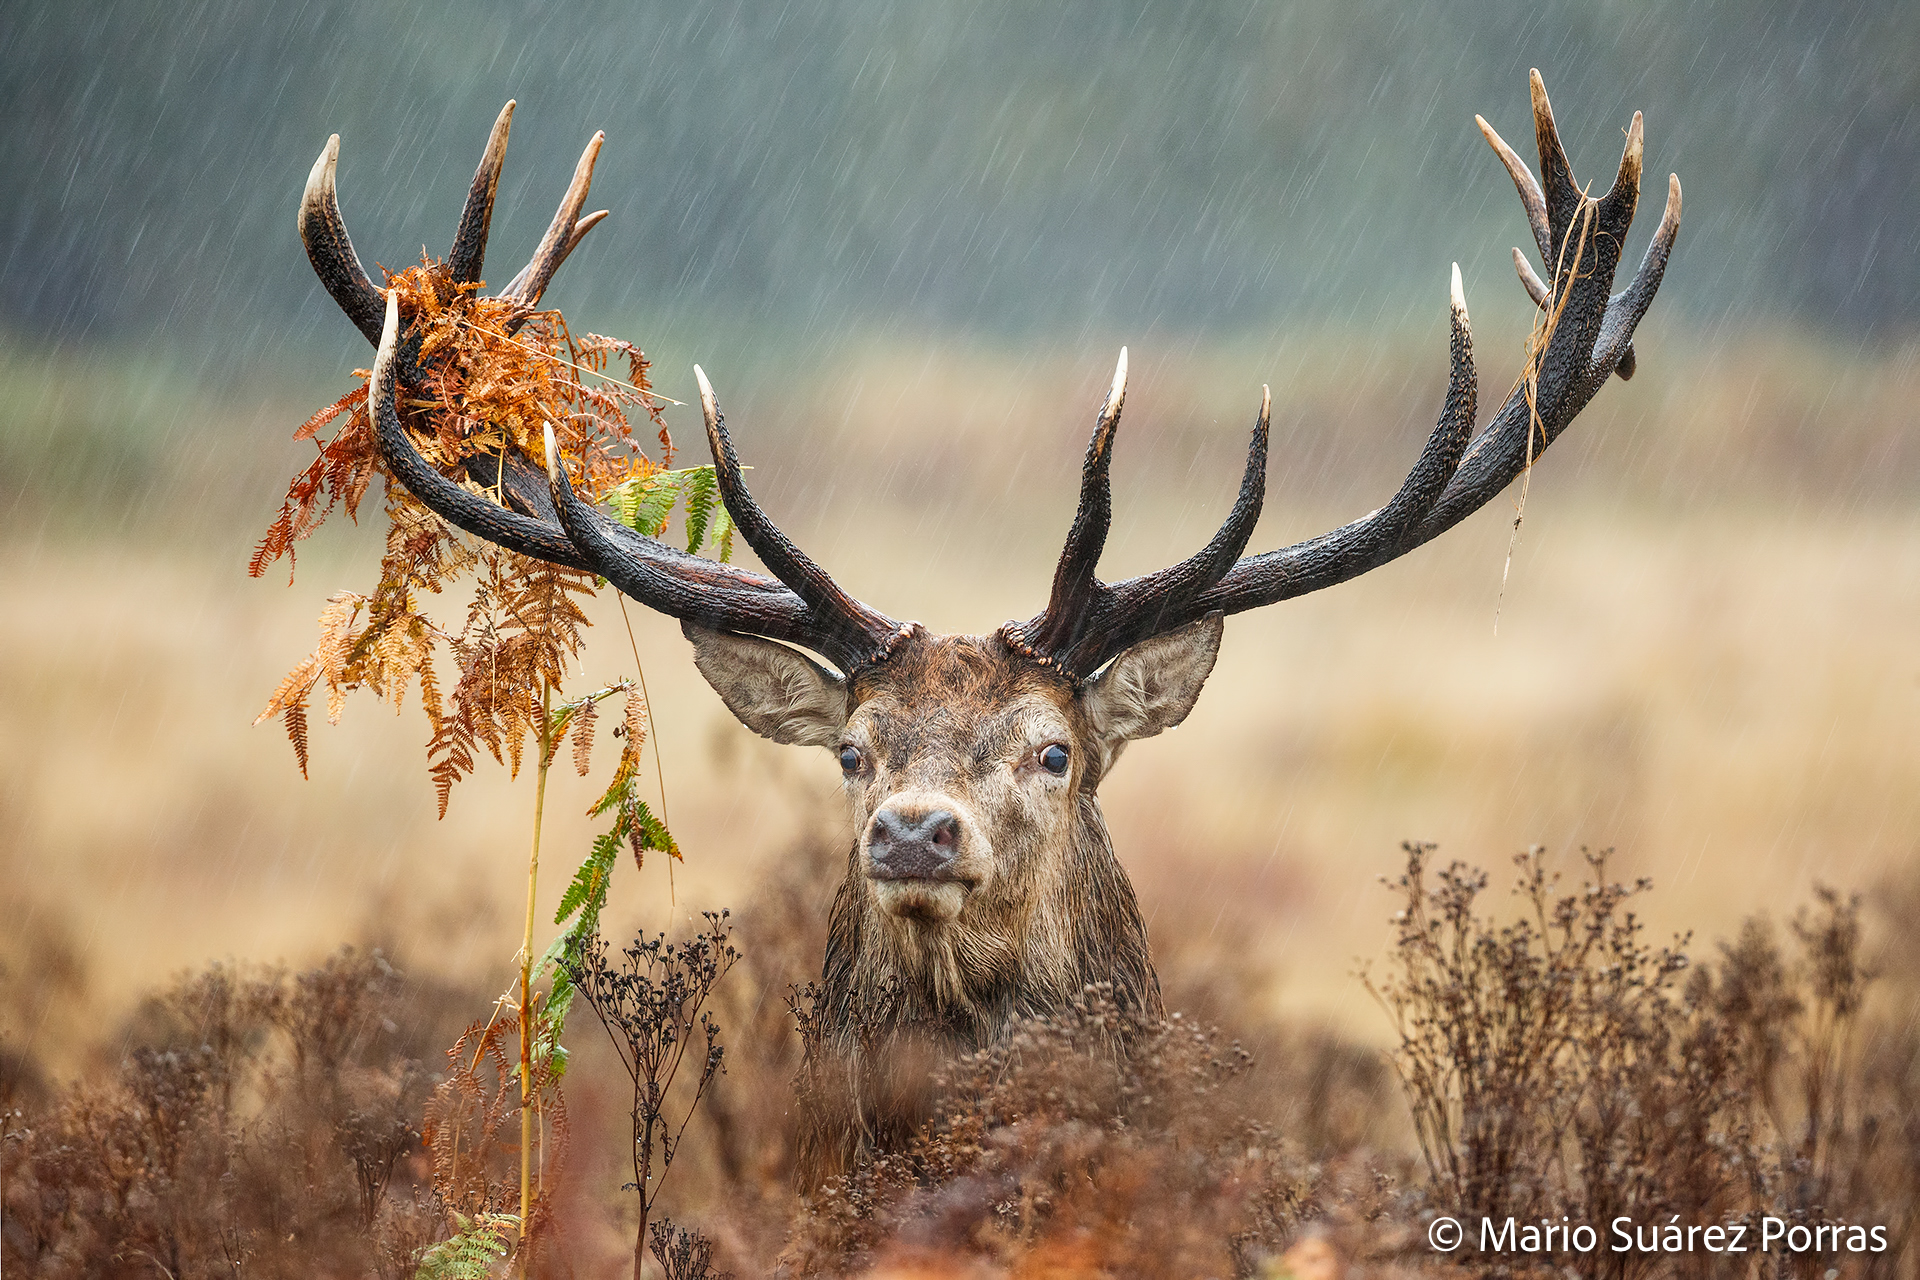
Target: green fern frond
588,891
620,790
645,503
472,1253
701,491
653,832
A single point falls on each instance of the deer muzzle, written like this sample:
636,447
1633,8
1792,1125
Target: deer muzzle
924,855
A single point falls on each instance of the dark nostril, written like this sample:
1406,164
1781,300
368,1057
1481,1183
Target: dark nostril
945,829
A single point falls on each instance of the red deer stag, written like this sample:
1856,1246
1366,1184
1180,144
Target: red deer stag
983,886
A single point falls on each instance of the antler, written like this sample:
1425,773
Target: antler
544,518
1587,337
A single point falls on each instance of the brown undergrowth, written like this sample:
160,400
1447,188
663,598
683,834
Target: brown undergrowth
1562,1069
1556,1063
245,1121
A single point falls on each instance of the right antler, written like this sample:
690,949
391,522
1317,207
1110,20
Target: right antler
544,518
1588,337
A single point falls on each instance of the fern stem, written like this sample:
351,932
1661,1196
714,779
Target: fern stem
526,975
653,730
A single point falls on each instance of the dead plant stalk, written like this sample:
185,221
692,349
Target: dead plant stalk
526,971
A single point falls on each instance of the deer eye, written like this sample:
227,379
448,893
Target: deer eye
850,759
1053,759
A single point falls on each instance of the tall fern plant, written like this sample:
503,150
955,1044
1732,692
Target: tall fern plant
514,646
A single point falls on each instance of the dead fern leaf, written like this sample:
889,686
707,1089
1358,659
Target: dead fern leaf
492,375
583,721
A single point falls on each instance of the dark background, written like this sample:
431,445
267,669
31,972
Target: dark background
1014,168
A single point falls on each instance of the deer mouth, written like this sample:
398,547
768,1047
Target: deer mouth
926,899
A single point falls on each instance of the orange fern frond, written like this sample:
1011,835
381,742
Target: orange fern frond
296,718
583,721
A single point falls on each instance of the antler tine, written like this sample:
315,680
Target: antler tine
558,240
1411,517
860,634
1530,280
1561,193
1617,206
469,251
1138,607
1625,311
330,249
1549,230
1076,587
586,223
1388,532
1445,448
704,592
1531,197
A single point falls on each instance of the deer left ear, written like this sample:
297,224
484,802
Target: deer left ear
1153,685
777,692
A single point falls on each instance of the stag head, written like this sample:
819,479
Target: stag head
982,875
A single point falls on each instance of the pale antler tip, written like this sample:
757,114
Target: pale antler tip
502,123
384,353
553,455
709,406
1636,148
1542,105
320,179
591,154
1458,294
1266,402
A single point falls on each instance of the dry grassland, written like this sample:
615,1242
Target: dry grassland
1704,656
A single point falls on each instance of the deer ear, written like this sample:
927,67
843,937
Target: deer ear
1153,685
775,691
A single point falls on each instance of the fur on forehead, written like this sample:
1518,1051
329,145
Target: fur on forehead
948,671
942,693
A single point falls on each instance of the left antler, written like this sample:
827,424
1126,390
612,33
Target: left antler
543,517
1588,337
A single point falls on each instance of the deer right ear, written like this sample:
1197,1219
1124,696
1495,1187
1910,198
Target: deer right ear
1153,685
777,692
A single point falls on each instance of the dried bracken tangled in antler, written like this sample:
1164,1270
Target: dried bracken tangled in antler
491,377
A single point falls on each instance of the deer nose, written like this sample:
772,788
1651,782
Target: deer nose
904,847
